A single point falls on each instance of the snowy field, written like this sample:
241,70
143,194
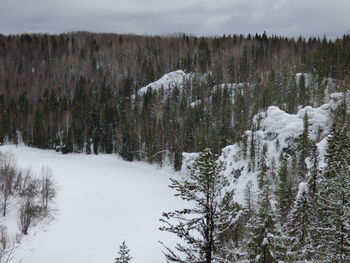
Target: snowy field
102,201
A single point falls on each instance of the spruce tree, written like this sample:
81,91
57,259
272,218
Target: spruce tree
333,235
263,168
252,151
314,172
303,91
244,146
338,150
284,192
210,215
303,149
124,254
249,200
265,243
334,207
300,225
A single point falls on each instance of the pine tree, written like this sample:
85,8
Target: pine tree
212,212
265,244
124,254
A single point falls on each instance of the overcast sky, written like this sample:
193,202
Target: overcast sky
200,17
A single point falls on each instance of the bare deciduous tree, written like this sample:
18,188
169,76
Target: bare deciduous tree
47,187
6,246
30,185
7,177
26,215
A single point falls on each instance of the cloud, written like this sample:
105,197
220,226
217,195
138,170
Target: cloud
201,17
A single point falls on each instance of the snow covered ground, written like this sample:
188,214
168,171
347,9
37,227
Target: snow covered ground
102,201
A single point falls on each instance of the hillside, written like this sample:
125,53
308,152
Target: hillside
153,97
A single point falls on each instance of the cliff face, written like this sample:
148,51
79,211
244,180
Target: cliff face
279,131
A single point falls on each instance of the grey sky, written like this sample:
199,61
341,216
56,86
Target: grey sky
201,17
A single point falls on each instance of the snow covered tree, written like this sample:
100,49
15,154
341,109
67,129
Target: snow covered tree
249,199
265,243
284,192
263,168
314,171
333,235
210,214
300,225
252,153
244,146
338,152
334,216
303,149
124,254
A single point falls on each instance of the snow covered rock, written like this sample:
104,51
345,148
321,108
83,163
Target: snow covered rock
278,130
167,82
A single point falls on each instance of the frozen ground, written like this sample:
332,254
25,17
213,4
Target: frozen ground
102,201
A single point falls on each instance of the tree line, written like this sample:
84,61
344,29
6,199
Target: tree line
77,92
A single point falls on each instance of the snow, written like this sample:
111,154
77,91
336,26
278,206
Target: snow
195,103
232,86
188,159
337,95
288,125
233,165
102,201
303,188
281,122
275,124
307,76
168,81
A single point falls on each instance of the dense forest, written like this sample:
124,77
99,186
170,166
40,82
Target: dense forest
77,92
